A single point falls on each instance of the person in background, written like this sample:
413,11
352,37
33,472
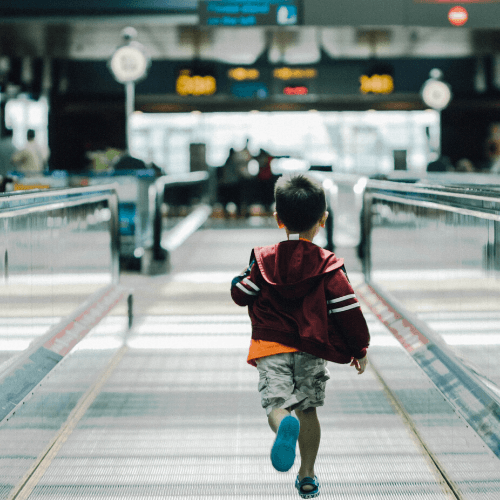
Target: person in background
232,182
304,313
32,158
265,179
241,159
442,164
7,149
465,165
229,182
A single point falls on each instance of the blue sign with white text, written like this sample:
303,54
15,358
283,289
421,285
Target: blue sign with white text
249,13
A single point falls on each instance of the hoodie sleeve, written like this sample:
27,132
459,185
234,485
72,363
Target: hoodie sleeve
344,310
243,287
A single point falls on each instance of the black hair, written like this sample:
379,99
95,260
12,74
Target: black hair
300,202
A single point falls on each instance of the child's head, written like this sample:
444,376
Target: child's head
300,202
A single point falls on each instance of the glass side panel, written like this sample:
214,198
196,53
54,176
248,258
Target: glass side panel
444,267
50,263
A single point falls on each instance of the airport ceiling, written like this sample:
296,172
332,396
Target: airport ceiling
180,38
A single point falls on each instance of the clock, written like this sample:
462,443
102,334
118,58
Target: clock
436,94
129,63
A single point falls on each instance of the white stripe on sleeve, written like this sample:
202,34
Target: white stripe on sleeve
345,308
341,299
241,287
251,284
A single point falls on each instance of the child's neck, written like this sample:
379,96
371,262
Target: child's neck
307,236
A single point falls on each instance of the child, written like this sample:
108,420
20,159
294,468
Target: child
304,313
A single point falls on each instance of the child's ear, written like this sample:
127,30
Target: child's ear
323,219
278,220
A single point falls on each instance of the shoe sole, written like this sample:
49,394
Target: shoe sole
283,450
307,495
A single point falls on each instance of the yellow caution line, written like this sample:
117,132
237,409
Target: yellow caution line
28,483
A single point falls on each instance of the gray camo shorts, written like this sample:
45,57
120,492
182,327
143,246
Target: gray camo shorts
292,380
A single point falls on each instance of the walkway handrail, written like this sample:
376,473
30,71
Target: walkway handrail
473,200
38,194
469,392
12,203
49,239
181,179
156,195
467,195
344,196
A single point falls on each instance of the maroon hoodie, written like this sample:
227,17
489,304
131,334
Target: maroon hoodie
298,295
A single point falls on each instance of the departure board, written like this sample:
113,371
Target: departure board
249,13
425,13
96,7
455,1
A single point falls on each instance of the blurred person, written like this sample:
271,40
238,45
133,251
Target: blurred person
493,149
465,165
242,158
229,182
495,169
304,313
442,164
232,179
32,159
265,179
102,160
7,150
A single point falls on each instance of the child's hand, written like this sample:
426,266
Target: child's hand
359,364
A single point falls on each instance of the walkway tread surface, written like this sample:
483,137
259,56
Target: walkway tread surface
180,415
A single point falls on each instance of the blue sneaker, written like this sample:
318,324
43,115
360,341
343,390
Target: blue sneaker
283,450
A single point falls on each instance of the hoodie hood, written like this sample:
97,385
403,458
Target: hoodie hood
294,267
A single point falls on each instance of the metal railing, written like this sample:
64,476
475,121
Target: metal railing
344,197
157,197
59,273
141,196
431,260
477,201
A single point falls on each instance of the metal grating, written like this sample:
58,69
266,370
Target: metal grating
160,430
28,432
186,422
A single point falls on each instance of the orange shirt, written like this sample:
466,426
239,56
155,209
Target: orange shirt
261,348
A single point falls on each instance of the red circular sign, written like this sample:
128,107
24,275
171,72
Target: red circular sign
458,16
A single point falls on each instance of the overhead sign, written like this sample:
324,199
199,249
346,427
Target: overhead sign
295,73
96,7
244,13
377,84
196,85
298,90
249,90
458,16
242,74
455,1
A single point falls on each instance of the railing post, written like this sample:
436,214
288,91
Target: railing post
115,236
130,310
364,249
158,254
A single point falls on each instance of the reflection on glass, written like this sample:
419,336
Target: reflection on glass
51,262
444,267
